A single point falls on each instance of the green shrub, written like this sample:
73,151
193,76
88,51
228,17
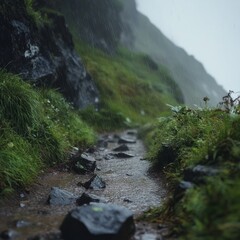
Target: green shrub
19,160
211,209
37,129
18,103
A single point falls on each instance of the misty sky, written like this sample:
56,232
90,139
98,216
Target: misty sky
207,29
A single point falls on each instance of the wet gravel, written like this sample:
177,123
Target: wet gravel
128,183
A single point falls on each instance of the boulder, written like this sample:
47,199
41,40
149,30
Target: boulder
61,197
121,148
95,183
89,198
45,55
98,221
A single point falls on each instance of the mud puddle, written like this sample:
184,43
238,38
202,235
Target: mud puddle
128,183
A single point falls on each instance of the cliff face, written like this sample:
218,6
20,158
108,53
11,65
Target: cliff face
96,22
189,74
43,52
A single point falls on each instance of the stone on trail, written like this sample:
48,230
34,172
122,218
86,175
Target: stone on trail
84,163
121,148
98,221
61,197
89,198
95,183
9,234
198,173
122,155
132,132
126,140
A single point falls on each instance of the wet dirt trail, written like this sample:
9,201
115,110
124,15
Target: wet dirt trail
128,183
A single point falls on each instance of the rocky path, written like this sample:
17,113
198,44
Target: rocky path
126,182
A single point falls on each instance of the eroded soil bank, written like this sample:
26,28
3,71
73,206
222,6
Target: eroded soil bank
128,183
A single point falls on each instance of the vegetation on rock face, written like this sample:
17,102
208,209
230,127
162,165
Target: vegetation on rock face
37,129
199,150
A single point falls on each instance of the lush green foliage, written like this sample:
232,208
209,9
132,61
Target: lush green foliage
128,86
210,209
37,128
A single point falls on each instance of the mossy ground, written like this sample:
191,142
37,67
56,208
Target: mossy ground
210,137
38,128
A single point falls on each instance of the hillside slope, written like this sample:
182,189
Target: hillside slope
142,36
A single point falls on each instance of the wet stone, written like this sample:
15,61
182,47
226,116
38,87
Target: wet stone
95,183
186,185
198,173
102,143
89,198
149,236
48,236
98,221
22,223
61,197
121,148
122,155
9,234
127,200
132,132
85,163
108,157
126,140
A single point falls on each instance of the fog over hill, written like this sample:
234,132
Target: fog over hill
141,35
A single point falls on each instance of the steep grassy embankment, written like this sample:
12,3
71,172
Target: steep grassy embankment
38,128
199,151
130,85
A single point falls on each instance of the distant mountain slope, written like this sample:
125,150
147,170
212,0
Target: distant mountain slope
142,36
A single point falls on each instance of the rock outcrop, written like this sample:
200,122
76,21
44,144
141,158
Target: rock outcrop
40,49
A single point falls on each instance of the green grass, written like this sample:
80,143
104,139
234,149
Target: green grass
211,137
37,129
128,86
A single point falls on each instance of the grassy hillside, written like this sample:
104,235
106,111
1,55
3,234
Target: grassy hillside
199,151
130,85
38,128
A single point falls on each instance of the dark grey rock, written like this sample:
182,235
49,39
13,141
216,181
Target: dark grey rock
47,236
22,223
45,56
84,163
127,200
122,155
126,140
198,173
102,143
108,156
95,183
61,197
121,148
186,185
98,221
149,236
9,234
89,198
132,132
